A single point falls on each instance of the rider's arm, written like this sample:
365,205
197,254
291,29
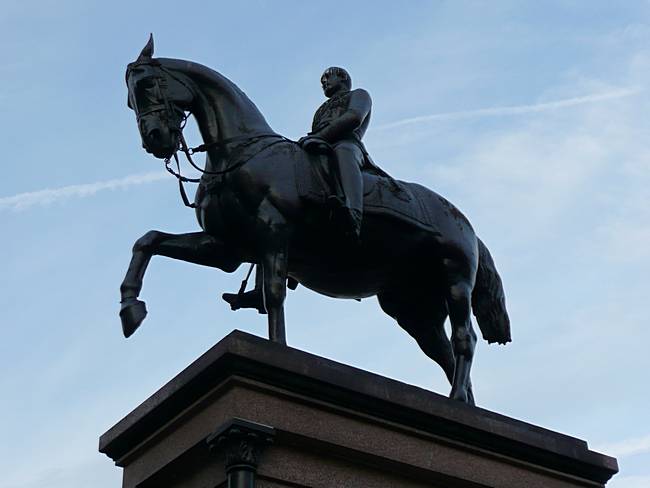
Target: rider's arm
358,110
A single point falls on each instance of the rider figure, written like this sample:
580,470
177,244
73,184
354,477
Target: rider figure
341,122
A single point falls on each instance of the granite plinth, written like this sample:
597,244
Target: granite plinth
334,426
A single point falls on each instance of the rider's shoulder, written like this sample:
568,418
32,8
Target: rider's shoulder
360,98
360,93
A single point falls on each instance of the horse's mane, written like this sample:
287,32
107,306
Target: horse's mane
201,73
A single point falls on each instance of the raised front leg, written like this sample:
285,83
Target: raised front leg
194,247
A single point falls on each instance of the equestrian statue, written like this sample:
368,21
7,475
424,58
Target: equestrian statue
317,212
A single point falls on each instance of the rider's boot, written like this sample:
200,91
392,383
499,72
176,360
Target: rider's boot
250,299
353,219
349,219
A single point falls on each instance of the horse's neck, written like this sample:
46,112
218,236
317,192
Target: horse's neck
223,111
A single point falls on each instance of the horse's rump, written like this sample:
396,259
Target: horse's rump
408,202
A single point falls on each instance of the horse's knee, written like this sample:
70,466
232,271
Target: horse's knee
147,241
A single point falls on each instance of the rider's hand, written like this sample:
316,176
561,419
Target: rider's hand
313,143
305,140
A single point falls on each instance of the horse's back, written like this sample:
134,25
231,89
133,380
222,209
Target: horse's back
446,231
413,203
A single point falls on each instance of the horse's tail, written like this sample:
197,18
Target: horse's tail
489,301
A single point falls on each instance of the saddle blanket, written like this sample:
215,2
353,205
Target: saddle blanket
408,202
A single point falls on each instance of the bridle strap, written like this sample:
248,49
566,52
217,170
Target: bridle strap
171,113
224,142
181,187
182,179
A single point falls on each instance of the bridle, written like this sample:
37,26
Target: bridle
171,114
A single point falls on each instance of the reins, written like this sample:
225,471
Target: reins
171,113
204,148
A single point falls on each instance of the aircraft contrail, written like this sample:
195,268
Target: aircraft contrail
22,201
513,109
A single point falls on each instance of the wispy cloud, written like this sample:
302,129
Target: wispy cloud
22,201
627,447
514,109
48,196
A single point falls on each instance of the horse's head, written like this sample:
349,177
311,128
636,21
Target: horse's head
159,99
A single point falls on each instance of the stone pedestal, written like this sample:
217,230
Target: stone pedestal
253,413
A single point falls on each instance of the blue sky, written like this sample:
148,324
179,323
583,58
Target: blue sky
532,117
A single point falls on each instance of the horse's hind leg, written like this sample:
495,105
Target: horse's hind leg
432,338
195,247
424,319
463,337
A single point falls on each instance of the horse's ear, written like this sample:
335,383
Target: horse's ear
147,51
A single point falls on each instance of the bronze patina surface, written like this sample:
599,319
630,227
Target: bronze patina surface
371,236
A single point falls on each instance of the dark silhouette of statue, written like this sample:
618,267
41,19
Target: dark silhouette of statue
266,200
341,122
337,129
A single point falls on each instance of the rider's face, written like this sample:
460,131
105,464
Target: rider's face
332,83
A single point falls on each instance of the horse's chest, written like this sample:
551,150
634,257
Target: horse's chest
223,213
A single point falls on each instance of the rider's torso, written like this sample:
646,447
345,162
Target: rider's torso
333,109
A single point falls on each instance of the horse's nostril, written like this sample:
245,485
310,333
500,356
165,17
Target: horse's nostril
154,134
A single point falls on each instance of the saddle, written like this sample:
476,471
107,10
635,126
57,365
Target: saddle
382,195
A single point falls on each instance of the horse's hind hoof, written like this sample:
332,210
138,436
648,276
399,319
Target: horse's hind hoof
132,313
462,396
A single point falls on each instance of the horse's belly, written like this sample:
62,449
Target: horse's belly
393,254
346,273
344,284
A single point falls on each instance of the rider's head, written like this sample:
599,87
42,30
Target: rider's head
335,80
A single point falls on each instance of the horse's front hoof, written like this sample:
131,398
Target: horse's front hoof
132,313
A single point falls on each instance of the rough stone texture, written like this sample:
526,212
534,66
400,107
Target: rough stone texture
336,426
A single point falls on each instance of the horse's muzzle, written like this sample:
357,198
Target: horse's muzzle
160,143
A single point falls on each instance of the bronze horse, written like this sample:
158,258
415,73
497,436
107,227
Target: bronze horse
250,210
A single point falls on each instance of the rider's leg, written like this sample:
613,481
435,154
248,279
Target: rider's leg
349,159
